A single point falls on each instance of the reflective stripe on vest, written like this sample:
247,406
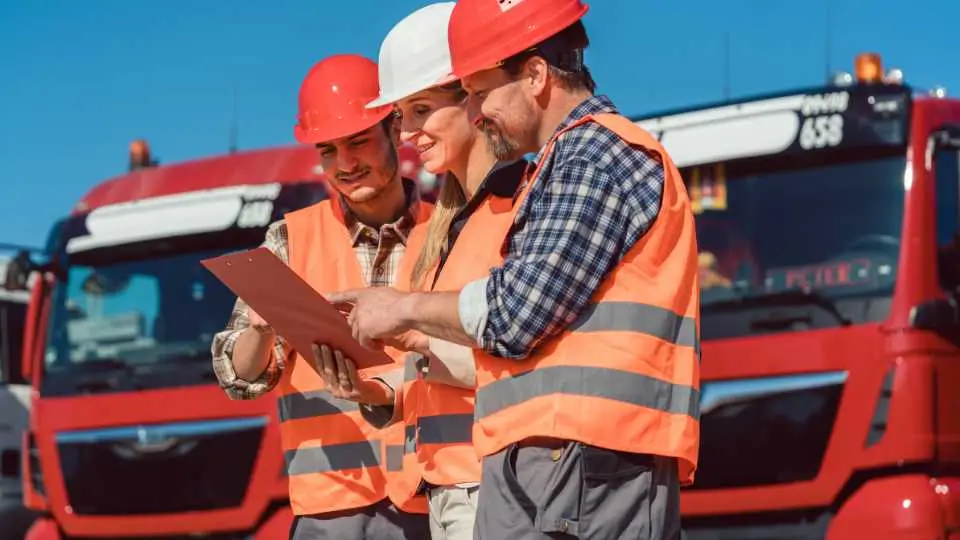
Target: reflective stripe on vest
631,359
445,429
408,446
335,459
397,452
597,381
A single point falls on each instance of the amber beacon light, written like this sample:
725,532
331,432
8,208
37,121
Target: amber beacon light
868,68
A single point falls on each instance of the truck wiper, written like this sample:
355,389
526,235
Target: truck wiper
198,359
96,385
98,375
101,365
790,297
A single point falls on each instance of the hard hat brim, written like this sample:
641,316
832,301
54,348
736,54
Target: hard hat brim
343,129
394,97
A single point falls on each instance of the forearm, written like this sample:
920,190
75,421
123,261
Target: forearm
252,354
437,315
246,387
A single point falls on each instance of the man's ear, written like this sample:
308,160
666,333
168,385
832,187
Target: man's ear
535,73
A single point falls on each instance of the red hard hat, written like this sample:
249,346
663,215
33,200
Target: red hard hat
485,32
333,99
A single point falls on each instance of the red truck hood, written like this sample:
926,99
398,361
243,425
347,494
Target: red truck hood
853,358
124,438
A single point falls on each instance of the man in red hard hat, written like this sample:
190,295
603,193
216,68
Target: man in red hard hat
364,235
586,337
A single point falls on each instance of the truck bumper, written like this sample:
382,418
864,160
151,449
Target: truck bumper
914,507
274,527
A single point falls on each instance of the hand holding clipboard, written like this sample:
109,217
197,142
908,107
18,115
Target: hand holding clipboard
293,308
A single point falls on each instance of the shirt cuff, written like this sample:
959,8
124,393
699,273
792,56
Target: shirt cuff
241,389
472,308
452,365
383,416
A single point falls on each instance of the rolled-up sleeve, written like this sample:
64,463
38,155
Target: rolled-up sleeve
224,342
451,364
382,416
577,227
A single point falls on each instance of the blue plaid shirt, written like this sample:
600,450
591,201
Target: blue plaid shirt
594,199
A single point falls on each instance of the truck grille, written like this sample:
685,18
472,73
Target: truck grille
160,468
768,430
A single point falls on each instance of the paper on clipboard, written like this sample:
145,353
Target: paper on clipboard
290,305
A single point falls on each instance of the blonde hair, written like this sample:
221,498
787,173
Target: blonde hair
449,201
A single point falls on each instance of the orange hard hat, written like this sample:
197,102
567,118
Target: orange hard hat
483,33
333,99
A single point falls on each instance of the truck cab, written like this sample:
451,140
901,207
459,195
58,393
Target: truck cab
130,434
827,223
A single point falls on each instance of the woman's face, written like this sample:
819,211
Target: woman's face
435,121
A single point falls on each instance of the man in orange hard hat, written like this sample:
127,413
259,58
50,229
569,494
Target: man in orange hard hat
586,337
364,235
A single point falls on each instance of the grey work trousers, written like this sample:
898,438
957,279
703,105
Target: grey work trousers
563,489
381,521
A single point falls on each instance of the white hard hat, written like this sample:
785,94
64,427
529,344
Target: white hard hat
415,56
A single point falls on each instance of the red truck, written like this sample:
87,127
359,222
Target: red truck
15,519
827,222
130,435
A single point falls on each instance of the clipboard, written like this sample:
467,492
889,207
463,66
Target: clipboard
290,305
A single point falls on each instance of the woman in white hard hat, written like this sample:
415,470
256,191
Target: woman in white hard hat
415,76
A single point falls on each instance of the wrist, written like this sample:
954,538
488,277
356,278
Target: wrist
407,308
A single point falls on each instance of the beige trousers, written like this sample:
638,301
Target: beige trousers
453,512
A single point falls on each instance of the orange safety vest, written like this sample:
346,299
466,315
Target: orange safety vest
439,417
626,375
335,459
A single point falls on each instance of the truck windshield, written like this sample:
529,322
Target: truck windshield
792,241
136,324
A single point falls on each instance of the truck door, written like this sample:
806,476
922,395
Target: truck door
945,147
942,315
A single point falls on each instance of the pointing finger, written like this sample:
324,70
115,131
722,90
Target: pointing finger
348,296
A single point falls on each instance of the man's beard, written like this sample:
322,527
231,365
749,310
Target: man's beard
503,148
386,171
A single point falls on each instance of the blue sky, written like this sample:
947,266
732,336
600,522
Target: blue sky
80,80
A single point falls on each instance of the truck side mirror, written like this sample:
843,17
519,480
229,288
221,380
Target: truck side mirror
11,339
10,369
940,316
18,272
